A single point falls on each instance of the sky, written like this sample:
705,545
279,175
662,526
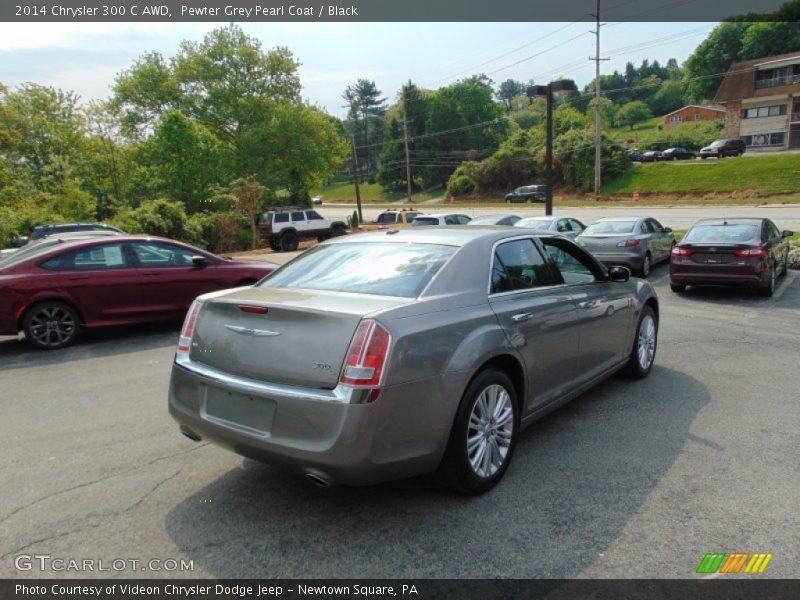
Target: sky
85,57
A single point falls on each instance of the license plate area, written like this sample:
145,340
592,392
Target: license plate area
250,414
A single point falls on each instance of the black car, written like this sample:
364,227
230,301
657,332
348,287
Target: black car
722,148
43,231
651,156
528,193
677,154
635,156
741,252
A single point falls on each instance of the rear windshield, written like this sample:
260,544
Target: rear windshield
610,227
383,269
425,221
534,222
732,233
25,253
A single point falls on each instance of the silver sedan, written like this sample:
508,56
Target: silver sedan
566,226
392,354
635,242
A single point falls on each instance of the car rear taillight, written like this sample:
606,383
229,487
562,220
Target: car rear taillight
681,251
366,356
185,341
628,243
751,252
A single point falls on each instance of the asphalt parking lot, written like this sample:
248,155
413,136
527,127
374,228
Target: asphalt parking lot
633,479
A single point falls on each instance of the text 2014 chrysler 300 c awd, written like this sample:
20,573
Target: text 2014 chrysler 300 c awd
398,353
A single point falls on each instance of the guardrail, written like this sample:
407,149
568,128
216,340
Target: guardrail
777,81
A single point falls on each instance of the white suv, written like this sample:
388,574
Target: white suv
283,228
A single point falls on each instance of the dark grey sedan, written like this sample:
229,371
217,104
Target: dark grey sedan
635,242
391,354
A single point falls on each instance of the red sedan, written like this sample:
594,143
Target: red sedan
110,281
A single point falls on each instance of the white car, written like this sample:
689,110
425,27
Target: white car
441,219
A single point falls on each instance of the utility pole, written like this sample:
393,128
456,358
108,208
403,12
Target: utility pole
597,119
408,162
355,179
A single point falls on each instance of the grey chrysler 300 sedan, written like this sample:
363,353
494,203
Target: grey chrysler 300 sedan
390,354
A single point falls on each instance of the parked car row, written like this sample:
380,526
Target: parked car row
717,149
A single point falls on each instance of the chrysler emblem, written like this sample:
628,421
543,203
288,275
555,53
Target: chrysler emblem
252,332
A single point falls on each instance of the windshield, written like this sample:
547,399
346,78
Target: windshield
384,269
387,218
610,227
717,144
732,233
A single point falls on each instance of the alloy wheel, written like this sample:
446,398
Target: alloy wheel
52,326
646,342
489,431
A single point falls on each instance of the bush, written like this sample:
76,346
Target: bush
220,231
573,159
459,185
160,217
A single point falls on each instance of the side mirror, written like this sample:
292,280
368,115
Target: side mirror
617,273
788,233
199,261
23,240
667,229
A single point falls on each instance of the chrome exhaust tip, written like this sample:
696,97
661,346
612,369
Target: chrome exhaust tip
190,434
318,480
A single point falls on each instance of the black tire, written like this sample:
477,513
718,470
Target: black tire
456,470
289,241
338,229
678,288
639,366
275,246
51,325
647,266
767,290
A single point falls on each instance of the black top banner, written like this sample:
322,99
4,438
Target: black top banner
386,10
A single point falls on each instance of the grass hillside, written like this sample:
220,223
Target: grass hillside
370,192
755,175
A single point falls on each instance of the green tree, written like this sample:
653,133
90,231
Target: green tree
608,111
632,113
249,201
186,160
669,96
365,109
508,90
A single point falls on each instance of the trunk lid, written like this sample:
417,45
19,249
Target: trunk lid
301,339
606,242
716,254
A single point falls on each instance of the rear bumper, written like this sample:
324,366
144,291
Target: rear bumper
335,435
626,259
736,276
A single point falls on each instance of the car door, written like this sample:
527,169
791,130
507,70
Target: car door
577,228
299,221
605,308
102,281
658,244
540,319
170,278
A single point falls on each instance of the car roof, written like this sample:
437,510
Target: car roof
440,215
73,243
448,235
736,221
621,219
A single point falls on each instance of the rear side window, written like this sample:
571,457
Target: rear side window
518,265
281,218
384,269
96,258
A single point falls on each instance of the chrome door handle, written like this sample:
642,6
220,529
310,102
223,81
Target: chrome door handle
521,317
